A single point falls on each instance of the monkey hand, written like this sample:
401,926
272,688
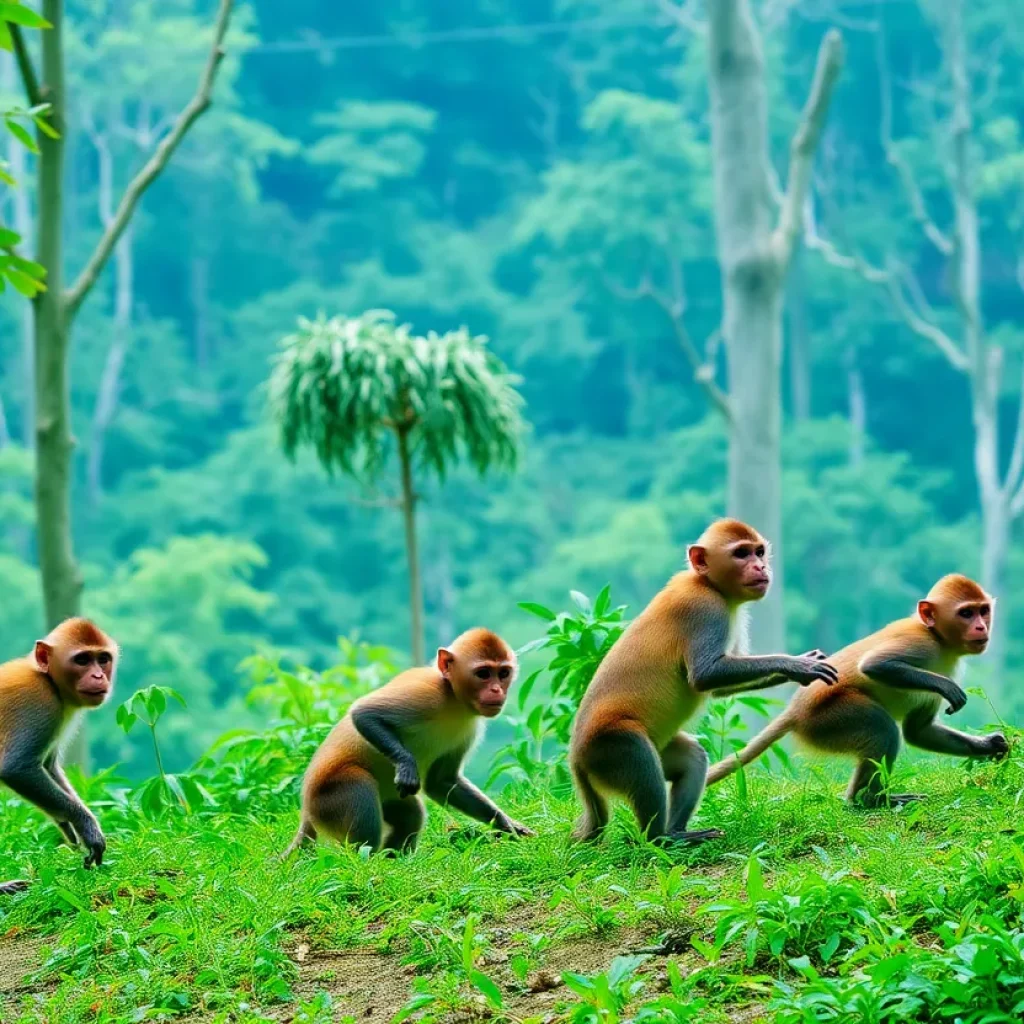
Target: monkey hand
996,745
407,779
955,697
94,842
810,667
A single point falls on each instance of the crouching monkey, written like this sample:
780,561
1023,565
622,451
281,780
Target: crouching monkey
41,699
900,675
626,738
363,784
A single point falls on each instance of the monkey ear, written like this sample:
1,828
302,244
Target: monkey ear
698,557
43,653
445,660
926,613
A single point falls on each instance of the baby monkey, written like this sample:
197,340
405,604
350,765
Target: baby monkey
899,676
684,646
414,732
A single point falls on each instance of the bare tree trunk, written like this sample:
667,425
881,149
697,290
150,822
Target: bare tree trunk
985,361
412,550
62,582
755,249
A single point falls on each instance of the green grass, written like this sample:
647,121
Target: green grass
807,911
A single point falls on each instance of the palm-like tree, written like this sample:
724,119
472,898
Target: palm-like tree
354,389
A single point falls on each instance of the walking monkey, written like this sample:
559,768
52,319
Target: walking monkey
626,739
899,676
413,732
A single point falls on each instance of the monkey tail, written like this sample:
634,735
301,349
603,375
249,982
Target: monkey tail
306,834
9,888
771,733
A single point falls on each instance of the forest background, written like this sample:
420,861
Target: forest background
540,171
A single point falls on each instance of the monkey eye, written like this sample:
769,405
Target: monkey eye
504,672
984,610
483,673
83,658
759,551
966,613
741,552
104,658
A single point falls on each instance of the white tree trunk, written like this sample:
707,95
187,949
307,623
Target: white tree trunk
755,250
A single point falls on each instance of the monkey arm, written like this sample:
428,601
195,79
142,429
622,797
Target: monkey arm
52,765
449,787
897,671
380,726
31,781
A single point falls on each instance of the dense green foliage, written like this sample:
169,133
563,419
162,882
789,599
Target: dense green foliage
550,188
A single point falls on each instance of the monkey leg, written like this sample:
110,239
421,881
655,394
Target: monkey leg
849,723
404,819
347,808
625,761
685,765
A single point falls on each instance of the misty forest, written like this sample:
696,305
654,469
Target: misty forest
329,331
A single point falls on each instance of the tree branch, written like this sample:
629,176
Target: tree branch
805,143
674,308
915,196
156,163
892,280
29,77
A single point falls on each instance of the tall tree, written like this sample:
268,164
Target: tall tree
951,175
347,386
757,233
56,307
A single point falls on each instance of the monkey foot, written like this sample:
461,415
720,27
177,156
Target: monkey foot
700,836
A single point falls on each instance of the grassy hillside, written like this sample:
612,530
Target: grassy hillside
807,911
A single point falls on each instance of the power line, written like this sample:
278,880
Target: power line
456,35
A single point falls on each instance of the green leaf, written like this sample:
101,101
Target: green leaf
45,127
537,609
484,984
582,602
20,133
18,14
414,1005
755,880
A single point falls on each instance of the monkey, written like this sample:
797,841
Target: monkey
414,732
626,739
42,697
897,677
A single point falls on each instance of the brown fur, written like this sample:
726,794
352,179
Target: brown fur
362,784
900,675
626,738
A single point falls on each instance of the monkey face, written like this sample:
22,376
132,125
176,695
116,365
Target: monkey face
85,674
480,668
965,626
739,570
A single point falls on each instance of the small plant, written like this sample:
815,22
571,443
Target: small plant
579,641
148,706
820,916
603,997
